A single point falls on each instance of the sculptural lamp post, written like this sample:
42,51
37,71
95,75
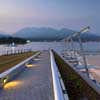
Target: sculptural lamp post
77,34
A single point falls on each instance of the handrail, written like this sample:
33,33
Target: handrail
57,88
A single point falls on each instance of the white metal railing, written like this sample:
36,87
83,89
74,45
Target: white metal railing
58,85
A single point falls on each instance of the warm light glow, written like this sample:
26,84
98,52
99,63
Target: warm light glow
5,80
12,84
30,65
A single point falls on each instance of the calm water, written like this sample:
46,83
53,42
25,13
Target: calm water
58,46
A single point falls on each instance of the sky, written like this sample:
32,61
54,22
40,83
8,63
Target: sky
72,14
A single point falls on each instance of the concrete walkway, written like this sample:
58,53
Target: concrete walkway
35,83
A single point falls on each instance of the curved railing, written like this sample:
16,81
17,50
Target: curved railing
58,86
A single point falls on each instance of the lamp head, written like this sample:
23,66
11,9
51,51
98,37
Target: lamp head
85,29
82,31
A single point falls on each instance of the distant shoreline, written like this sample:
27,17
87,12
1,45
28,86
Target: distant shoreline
9,40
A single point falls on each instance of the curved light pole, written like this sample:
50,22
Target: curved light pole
71,45
77,34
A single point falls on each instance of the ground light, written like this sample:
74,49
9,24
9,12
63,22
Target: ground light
5,80
30,65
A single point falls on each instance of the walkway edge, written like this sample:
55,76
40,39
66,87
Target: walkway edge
8,75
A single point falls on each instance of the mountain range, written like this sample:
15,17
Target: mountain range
48,34
3,34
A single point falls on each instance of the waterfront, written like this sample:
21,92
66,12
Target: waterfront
59,47
92,58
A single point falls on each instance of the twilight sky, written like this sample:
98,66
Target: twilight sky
73,14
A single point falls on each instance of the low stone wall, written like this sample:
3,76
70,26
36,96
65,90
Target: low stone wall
79,87
14,71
